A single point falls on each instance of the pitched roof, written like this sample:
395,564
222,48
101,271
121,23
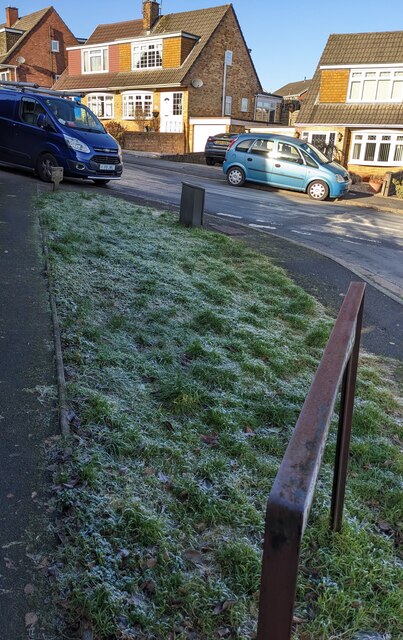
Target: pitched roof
384,47
116,31
293,88
27,24
202,22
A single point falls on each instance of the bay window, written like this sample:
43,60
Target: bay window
377,148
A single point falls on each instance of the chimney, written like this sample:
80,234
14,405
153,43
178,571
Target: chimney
151,13
11,16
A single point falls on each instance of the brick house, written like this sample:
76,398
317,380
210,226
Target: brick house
33,47
354,107
171,80
293,94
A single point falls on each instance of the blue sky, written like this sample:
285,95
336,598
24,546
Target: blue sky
286,38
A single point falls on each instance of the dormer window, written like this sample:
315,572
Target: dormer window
375,85
147,55
95,60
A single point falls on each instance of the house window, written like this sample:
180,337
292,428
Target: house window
101,104
265,110
228,105
54,46
377,148
95,60
147,55
177,106
324,141
375,85
137,106
244,105
4,75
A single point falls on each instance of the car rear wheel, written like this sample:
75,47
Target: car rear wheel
44,166
236,177
210,162
318,190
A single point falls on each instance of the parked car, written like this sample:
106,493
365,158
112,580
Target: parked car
216,147
284,162
40,130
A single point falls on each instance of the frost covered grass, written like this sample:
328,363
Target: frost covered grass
188,357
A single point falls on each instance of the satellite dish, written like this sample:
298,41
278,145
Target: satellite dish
197,83
20,60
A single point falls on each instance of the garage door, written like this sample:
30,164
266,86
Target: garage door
202,131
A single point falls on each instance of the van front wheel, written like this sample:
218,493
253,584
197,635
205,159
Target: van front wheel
318,190
236,177
44,166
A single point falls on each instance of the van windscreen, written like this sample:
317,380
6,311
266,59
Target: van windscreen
74,115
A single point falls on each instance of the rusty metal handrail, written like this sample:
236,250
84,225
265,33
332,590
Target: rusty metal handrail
291,497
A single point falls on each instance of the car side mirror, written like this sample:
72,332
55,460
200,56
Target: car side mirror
43,122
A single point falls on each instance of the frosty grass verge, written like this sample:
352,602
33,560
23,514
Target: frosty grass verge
188,357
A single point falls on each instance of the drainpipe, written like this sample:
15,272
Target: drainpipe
227,62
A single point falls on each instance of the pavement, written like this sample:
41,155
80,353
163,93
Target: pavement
26,419
27,373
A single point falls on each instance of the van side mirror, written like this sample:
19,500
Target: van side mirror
41,121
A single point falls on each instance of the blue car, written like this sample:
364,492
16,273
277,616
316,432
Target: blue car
284,162
40,130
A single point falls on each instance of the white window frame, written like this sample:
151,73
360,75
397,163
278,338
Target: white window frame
378,75
267,106
130,100
54,46
4,75
149,49
90,54
96,100
228,105
244,105
379,137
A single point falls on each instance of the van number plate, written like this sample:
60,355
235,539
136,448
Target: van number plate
107,167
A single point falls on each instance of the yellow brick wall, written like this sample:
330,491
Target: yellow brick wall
333,85
125,57
171,53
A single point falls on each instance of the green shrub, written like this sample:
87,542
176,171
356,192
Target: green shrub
399,187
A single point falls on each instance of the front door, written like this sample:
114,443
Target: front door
171,113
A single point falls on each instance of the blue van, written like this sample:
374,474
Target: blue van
284,162
40,130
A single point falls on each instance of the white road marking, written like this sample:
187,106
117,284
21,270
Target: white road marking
229,215
261,226
301,233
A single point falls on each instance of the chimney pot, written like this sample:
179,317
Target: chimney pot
11,16
151,12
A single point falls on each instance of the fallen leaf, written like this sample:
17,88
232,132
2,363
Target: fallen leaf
30,619
149,586
151,562
29,589
223,606
193,555
211,439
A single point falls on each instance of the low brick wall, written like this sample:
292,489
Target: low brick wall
194,158
167,143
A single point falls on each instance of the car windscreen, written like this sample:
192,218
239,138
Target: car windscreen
74,115
315,153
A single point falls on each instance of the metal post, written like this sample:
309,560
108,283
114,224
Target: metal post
344,429
192,205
